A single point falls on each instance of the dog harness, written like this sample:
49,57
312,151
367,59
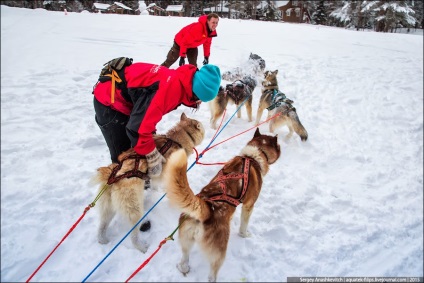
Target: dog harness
134,172
238,91
279,98
221,178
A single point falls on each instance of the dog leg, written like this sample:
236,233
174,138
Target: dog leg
215,117
107,213
246,212
129,200
259,113
249,109
239,111
186,245
272,126
186,239
216,259
184,266
134,217
291,131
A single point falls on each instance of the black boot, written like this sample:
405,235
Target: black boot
145,226
147,184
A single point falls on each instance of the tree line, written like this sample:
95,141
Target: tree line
380,15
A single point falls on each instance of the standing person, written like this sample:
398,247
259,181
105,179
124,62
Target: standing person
151,92
190,37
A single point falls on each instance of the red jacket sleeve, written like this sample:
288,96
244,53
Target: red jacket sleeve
207,47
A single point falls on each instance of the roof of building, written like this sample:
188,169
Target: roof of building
174,8
101,6
279,4
122,6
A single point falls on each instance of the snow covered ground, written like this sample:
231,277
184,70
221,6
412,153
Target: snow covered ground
348,202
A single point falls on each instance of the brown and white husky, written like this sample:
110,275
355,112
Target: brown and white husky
206,217
126,195
236,93
277,103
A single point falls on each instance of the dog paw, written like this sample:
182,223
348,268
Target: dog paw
141,246
244,234
183,268
102,239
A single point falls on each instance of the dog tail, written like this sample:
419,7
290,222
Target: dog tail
101,177
298,127
178,189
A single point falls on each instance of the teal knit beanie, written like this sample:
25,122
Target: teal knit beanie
206,82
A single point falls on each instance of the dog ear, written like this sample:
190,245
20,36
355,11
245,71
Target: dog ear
183,117
275,72
257,133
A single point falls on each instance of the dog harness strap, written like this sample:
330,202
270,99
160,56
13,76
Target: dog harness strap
244,176
166,146
129,174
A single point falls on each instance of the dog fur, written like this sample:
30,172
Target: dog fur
235,93
207,221
126,196
288,115
254,66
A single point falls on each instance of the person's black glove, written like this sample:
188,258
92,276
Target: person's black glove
206,61
182,61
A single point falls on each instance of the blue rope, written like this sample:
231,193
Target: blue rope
123,238
139,221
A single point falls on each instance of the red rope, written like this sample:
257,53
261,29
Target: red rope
222,163
67,234
147,260
220,124
197,158
278,114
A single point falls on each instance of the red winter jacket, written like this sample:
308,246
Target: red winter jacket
194,35
153,91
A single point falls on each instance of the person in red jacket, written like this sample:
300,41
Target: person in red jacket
190,37
151,92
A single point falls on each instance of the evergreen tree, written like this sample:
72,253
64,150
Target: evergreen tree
270,11
393,14
320,16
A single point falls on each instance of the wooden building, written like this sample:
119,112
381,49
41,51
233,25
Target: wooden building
294,12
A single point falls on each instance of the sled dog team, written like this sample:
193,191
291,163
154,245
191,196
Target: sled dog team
206,216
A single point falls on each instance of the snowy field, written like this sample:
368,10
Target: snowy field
348,202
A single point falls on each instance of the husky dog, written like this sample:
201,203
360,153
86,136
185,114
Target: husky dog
276,102
206,217
236,93
125,195
254,66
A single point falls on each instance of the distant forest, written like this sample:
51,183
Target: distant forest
381,16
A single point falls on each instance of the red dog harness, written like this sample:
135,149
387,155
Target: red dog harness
221,178
135,172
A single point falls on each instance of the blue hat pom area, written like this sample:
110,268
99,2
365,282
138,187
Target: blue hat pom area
206,82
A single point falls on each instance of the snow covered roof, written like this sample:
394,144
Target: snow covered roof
45,2
278,4
122,5
174,8
154,6
217,9
101,6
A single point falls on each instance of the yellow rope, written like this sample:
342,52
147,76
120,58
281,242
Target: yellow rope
99,195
